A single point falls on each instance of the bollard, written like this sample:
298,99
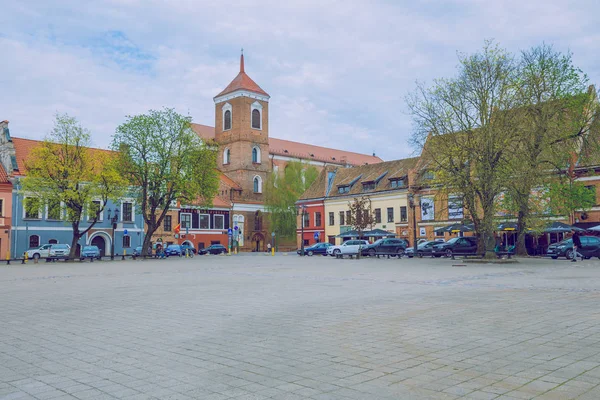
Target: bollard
25,258
273,251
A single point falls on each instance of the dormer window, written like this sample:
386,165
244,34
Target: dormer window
397,183
227,110
256,115
344,189
369,186
428,175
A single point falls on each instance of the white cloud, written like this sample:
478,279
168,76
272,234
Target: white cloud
337,72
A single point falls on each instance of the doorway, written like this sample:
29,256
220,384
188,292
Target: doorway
100,242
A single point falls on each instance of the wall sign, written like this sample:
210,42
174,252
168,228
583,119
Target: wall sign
427,209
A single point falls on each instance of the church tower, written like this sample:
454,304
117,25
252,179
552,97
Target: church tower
242,133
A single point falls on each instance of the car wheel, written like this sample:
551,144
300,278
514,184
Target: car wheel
371,252
448,253
336,252
569,254
310,253
36,256
400,253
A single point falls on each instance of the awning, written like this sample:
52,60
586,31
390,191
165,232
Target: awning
559,227
508,226
455,228
378,233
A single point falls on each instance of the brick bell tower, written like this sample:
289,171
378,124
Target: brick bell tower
242,133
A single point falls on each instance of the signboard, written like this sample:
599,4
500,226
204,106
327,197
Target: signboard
316,235
455,207
229,232
125,232
427,209
422,232
236,228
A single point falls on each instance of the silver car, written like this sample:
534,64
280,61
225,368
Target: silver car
349,247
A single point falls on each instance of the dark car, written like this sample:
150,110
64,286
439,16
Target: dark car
387,246
213,249
317,248
173,250
423,249
188,247
590,247
137,251
459,245
90,252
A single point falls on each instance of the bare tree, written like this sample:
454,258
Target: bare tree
361,216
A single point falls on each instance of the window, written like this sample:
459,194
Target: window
344,189
167,223
257,184
255,119
257,221
390,211
428,175
368,186
331,219
439,233
1,207
185,220
126,241
317,219
306,219
52,241
397,183
219,222
592,189
226,156
127,212
227,120
256,155
403,214
33,208
54,210
204,220
342,218
34,241
306,242
348,218
378,215
94,208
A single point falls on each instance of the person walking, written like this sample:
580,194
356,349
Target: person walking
576,246
268,247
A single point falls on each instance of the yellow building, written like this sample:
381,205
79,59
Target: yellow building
384,184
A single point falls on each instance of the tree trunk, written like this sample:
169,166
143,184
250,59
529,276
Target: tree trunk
148,239
520,248
76,236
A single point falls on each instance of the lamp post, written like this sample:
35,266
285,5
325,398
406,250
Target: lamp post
113,221
412,200
302,211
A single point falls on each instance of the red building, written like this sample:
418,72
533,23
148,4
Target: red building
312,215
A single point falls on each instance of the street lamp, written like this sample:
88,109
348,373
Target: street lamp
412,200
302,211
113,221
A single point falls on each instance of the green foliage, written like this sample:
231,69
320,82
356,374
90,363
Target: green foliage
281,193
65,170
566,197
166,161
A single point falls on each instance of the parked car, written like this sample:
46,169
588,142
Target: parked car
213,249
317,248
40,252
59,251
590,247
349,247
188,247
423,249
173,250
90,252
386,246
137,251
457,245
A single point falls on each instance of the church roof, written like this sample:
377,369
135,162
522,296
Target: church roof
242,82
309,152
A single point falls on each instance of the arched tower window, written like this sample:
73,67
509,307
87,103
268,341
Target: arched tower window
226,156
227,124
256,115
227,110
256,155
257,184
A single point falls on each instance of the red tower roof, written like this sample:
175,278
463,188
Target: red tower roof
242,82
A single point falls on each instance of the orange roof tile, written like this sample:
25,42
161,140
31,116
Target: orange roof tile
304,151
3,175
242,82
229,182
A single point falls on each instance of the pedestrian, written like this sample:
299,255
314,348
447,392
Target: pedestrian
576,246
268,247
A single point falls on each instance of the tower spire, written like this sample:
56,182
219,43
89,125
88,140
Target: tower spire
242,61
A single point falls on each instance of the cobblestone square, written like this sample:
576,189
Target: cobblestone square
286,327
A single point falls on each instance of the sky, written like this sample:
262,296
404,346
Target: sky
338,72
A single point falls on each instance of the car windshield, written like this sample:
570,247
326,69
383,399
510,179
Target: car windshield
174,246
378,241
92,248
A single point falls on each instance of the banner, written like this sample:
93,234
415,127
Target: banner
427,209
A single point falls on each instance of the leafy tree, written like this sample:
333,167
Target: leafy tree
554,111
361,216
166,161
282,192
567,196
64,170
464,138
